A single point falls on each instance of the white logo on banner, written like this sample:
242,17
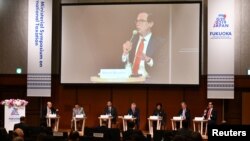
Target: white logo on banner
220,77
221,28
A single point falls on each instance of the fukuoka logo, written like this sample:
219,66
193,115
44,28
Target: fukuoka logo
221,29
14,112
221,21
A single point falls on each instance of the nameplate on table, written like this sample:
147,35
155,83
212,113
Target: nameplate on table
154,117
128,116
177,118
114,73
105,116
79,116
52,115
198,118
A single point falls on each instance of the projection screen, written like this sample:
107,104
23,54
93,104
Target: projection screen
142,43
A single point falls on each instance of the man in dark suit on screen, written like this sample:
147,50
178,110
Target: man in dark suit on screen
144,52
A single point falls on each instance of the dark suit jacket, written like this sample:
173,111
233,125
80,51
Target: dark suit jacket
113,112
157,52
188,117
44,113
161,113
187,114
22,126
135,114
213,116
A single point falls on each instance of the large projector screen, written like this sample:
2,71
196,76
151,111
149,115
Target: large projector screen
142,43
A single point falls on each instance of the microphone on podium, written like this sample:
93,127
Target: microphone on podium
133,35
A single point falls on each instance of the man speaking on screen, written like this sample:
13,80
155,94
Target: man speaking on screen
143,49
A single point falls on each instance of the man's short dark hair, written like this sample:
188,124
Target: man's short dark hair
184,102
150,16
22,118
159,104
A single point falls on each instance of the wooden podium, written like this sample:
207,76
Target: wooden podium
151,119
56,118
200,123
125,121
75,119
96,79
174,121
105,118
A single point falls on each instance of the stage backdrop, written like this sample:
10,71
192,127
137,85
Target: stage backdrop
220,49
39,48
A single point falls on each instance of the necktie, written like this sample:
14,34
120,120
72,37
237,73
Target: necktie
138,58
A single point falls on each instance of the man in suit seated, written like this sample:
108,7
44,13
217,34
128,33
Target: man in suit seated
134,111
210,114
77,110
47,111
110,110
184,112
22,125
159,111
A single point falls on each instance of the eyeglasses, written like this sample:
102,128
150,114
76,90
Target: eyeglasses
141,21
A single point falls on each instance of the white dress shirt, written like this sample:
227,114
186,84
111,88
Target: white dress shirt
141,69
48,111
184,113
